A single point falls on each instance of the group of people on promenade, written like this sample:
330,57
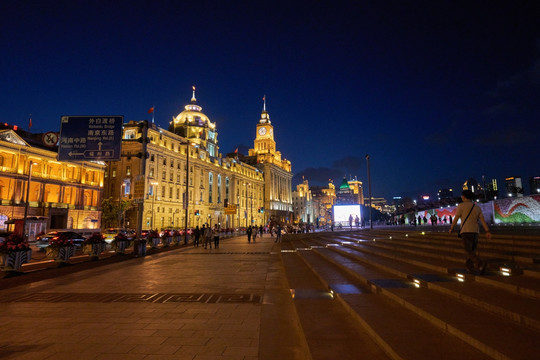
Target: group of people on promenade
208,234
253,231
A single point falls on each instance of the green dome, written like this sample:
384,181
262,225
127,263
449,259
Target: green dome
344,184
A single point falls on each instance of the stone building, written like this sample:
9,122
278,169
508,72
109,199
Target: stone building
276,170
61,195
177,178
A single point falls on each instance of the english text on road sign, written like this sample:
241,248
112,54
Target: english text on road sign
84,138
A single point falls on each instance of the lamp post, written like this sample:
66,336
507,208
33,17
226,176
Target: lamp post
120,210
27,198
369,193
154,184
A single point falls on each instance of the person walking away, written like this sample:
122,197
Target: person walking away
278,233
248,232
207,237
261,230
469,230
203,235
196,236
216,237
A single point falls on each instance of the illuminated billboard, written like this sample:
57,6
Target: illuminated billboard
342,214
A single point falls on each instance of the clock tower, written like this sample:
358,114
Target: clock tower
277,171
264,138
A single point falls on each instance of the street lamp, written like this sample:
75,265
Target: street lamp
120,210
27,198
154,184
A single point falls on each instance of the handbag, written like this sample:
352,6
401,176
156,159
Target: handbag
463,223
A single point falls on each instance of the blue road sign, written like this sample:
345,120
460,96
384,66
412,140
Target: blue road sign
84,138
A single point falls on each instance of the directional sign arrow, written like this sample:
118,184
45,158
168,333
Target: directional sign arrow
71,153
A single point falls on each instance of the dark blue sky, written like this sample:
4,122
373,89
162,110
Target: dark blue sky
435,91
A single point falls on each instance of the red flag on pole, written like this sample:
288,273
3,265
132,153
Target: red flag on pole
236,151
151,110
30,122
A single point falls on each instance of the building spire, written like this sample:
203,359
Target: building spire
264,103
193,98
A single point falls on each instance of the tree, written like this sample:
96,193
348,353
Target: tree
112,212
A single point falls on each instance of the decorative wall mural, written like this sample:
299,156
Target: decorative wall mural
517,210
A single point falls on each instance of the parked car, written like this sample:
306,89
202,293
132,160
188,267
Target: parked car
110,233
42,241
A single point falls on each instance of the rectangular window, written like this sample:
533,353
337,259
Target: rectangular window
210,185
219,189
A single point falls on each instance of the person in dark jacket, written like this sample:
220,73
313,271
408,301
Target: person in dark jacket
249,230
196,236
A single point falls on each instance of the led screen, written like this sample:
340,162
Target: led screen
343,212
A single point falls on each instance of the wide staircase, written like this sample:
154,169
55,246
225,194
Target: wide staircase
379,294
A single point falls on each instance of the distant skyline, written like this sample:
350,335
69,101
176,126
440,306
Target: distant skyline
435,92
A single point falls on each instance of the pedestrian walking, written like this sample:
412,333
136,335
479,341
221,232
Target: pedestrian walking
261,230
216,237
278,233
470,214
196,236
207,237
248,232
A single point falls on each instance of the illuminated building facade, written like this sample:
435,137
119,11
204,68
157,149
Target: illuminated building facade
345,195
277,171
323,200
303,205
221,191
61,195
356,186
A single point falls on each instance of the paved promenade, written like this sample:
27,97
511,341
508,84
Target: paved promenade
347,295
227,303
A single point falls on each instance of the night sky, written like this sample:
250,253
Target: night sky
436,92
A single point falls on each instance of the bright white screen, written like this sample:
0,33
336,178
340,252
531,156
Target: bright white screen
342,213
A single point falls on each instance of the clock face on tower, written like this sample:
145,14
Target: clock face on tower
262,131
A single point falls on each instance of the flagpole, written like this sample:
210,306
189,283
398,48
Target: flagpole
153,112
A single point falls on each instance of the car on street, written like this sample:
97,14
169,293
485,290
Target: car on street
110,233
42,241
